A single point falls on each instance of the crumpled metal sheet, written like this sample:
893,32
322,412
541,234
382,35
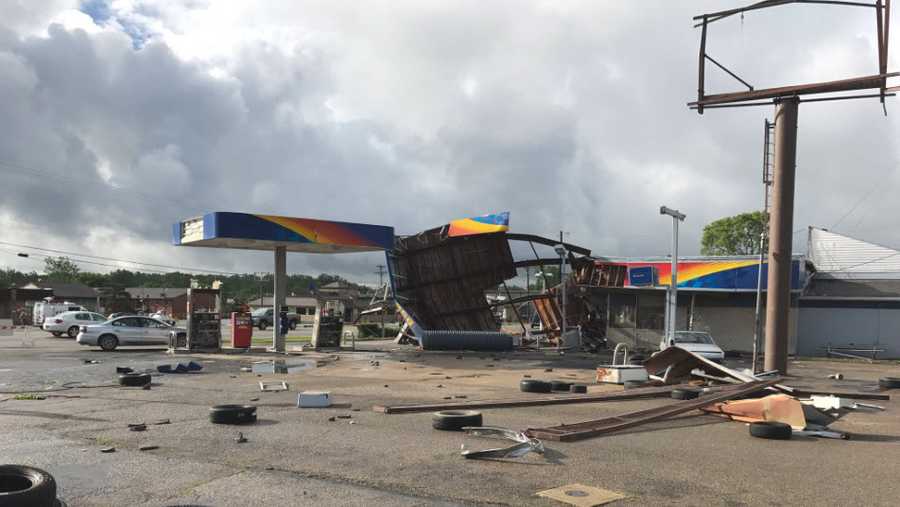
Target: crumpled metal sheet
523,445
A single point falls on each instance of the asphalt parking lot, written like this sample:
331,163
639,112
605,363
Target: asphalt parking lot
301,457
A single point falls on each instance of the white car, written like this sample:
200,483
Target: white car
128,330
43,310
698,342
71,322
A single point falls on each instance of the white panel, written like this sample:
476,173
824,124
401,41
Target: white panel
192,230
832,252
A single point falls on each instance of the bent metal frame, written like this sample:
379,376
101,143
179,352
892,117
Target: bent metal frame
786,100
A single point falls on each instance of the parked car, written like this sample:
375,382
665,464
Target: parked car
163,317
262,318
43,310
128,330
698,342
71,322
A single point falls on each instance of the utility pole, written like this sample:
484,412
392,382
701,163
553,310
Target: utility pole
781,224
767,183
672,291
561,251
380,285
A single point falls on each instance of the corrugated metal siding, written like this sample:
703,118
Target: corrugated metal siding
832,252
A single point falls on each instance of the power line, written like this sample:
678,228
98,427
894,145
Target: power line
137,263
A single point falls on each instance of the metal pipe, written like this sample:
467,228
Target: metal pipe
781,223
757,326
279,293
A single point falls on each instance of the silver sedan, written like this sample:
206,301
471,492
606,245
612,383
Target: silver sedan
129,330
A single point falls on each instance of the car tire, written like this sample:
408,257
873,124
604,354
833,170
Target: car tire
560,385
535,386
455,420
26,486
134,379
232,414
889,382
771,430
262,326
56,333
72,331
108,342
685,394
578,388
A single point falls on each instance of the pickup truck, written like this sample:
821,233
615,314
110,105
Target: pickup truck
262,318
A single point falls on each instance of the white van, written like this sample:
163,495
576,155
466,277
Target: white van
46,309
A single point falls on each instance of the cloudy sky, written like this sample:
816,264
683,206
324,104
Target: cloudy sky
121,117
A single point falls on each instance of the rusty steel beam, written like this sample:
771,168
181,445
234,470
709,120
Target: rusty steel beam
531,401
589,429
842,85
716,16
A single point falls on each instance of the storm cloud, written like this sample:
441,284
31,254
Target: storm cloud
123,117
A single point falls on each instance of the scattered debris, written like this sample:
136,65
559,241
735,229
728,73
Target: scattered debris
829,403
240,438
773,408
137,427
91,361
29,396
345,416
581,495
385,385
352,422
282,367
889,382
578,388
314,399
836,376
179,368
254,399
161,421
273,387
548,369
108,449
523,444
146,387
822,433
461,396
526,376
148,447
332,418
246,369
619,373
123,369
852,352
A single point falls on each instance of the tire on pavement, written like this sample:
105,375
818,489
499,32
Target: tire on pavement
685,394
134,379
560,385
26,486
72,331
262,326
535,386
455,420
889,382
232,414
578,388
771,429
108,342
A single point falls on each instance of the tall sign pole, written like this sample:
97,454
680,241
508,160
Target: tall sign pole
781,225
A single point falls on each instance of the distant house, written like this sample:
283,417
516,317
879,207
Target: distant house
77,293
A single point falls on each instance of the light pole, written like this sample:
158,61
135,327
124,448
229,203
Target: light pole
561,251
672,292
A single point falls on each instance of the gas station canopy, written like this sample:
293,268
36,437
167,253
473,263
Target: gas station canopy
267,232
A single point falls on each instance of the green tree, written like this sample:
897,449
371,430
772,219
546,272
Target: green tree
61,269
735,235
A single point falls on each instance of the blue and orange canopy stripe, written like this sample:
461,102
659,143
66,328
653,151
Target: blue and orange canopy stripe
495,222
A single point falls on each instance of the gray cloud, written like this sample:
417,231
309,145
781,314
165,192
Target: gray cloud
570,116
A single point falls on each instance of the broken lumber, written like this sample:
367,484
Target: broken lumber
588,429
630,394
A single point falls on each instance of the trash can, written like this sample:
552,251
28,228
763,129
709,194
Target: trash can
241,330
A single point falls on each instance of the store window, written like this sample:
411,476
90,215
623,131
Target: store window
622,310
651,312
